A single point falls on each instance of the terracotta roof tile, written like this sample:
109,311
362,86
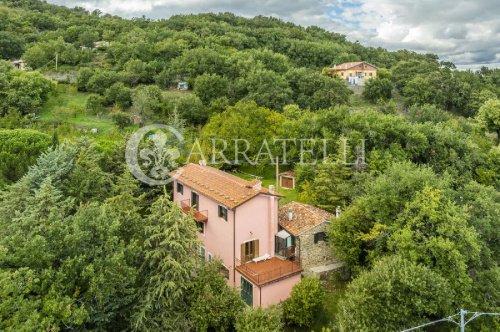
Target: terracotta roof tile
347,65
222,187
304,217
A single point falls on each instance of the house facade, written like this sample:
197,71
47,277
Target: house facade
354,73
304,234
237,223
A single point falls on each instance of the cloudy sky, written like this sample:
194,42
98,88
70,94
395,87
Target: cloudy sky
466,32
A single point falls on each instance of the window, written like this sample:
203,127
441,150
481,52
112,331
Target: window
222,212
370,74
246,291
321,236
249,250
201,227
202,254
224,271
180,188
195,200
209,257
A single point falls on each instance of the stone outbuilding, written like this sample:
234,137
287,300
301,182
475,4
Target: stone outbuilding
304,235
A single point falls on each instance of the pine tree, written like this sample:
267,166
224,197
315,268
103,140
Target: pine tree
169,263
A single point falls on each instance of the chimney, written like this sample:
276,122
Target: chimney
271,189
337,212
258,185
290,214
202,162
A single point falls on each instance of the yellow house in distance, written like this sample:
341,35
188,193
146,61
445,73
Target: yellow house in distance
354,72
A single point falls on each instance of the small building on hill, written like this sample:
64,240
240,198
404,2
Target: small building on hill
287,180
355,73
303,234
19,64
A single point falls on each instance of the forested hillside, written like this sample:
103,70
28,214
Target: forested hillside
84,246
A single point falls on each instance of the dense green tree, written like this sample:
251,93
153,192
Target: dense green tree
210,86
101,80
378,89
11,45
489,115
26,91
191,109
121,119
424,113
394,295
246,121
83,78
87,38
147,101
119,95
432,230
362,230
305,301
169,260
19,149
259,320
313,90
212,303
95,104
266,88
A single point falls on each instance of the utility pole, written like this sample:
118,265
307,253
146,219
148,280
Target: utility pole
463,319
57,58
277,173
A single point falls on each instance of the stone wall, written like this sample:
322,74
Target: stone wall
314,254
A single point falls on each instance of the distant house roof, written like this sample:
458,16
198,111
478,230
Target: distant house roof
304,217
224,188
289,174
348,65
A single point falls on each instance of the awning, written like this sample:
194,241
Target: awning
283,234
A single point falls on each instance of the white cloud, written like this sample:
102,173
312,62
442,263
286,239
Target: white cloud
466,32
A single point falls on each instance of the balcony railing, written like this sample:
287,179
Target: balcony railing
199,216
268,270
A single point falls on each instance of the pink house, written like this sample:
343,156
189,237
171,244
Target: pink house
238,223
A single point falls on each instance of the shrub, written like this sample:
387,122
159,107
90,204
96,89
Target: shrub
378,89
306,299
121,119
259,320
94,105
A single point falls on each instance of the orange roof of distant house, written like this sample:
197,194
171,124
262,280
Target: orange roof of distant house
304,217
348,65
224,188
290,174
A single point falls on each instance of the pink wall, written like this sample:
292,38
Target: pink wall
257,219
272,293
218,236
279,291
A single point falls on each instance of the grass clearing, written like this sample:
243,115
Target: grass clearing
268,177
67,106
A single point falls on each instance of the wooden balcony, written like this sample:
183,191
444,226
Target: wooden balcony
268,271
199,216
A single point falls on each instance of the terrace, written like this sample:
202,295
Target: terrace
267,271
